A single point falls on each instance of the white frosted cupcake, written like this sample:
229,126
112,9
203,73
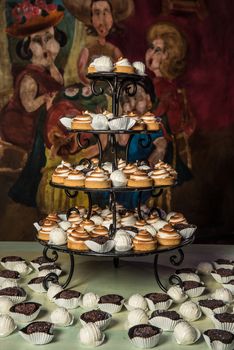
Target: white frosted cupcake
118,178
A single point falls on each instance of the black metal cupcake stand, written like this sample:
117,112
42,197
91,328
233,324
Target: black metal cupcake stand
114,84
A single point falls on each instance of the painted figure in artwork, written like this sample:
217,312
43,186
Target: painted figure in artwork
24,120
101,18
166,58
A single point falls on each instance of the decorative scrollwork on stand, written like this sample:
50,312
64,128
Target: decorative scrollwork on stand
53,252
176,280
86,141
71,194
177,260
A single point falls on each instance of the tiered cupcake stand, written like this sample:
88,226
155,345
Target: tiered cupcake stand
115,84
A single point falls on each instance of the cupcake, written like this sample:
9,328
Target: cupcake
161,177
60,173
74,217
212,306
167,236
99,230
111,303
139,179
143,241
193,288
97,178
219,339
75,178
9,262
144,336
82,122
46,228
223,275
150,121
123,66
68,298
224,321
102,319
15,294
167,320
25,312
76,239
158,301
129,169
36,284
38,333
139,67
9,275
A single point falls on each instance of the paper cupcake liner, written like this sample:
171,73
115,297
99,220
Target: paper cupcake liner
123,123
21,318
164,323
217,345
100,324
220,279
37,287
9,265
39,338
209,312
159,306
100,248
187,232
223,266
10,331
229,287
66,122
9,283
4,279
146,343
111,308
70,323
100,122
195,292
44,273
16,299
123,248
72,303
226,326
189,277
36,266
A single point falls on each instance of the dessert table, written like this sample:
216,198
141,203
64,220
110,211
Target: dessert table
93,274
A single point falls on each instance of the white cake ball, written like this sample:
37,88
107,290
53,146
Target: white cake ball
137,301
53,290
137,316
7,325
58,236
90,300
222,294
123,242
5,305
118,178
177,294
61,316
190,311
185,334
204,268
91,335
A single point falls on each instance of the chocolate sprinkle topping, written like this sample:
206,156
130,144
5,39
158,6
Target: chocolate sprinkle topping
94,316
143,331
12,258
67,294
10,274
157,297
13,291
100,239
225,317
36,280
41,260
211,303
191,284
111,298
49,267
39,326
27,308
225,272
173,315
221,335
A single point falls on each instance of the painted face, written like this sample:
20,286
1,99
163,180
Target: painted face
102,19
44,47
155,55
